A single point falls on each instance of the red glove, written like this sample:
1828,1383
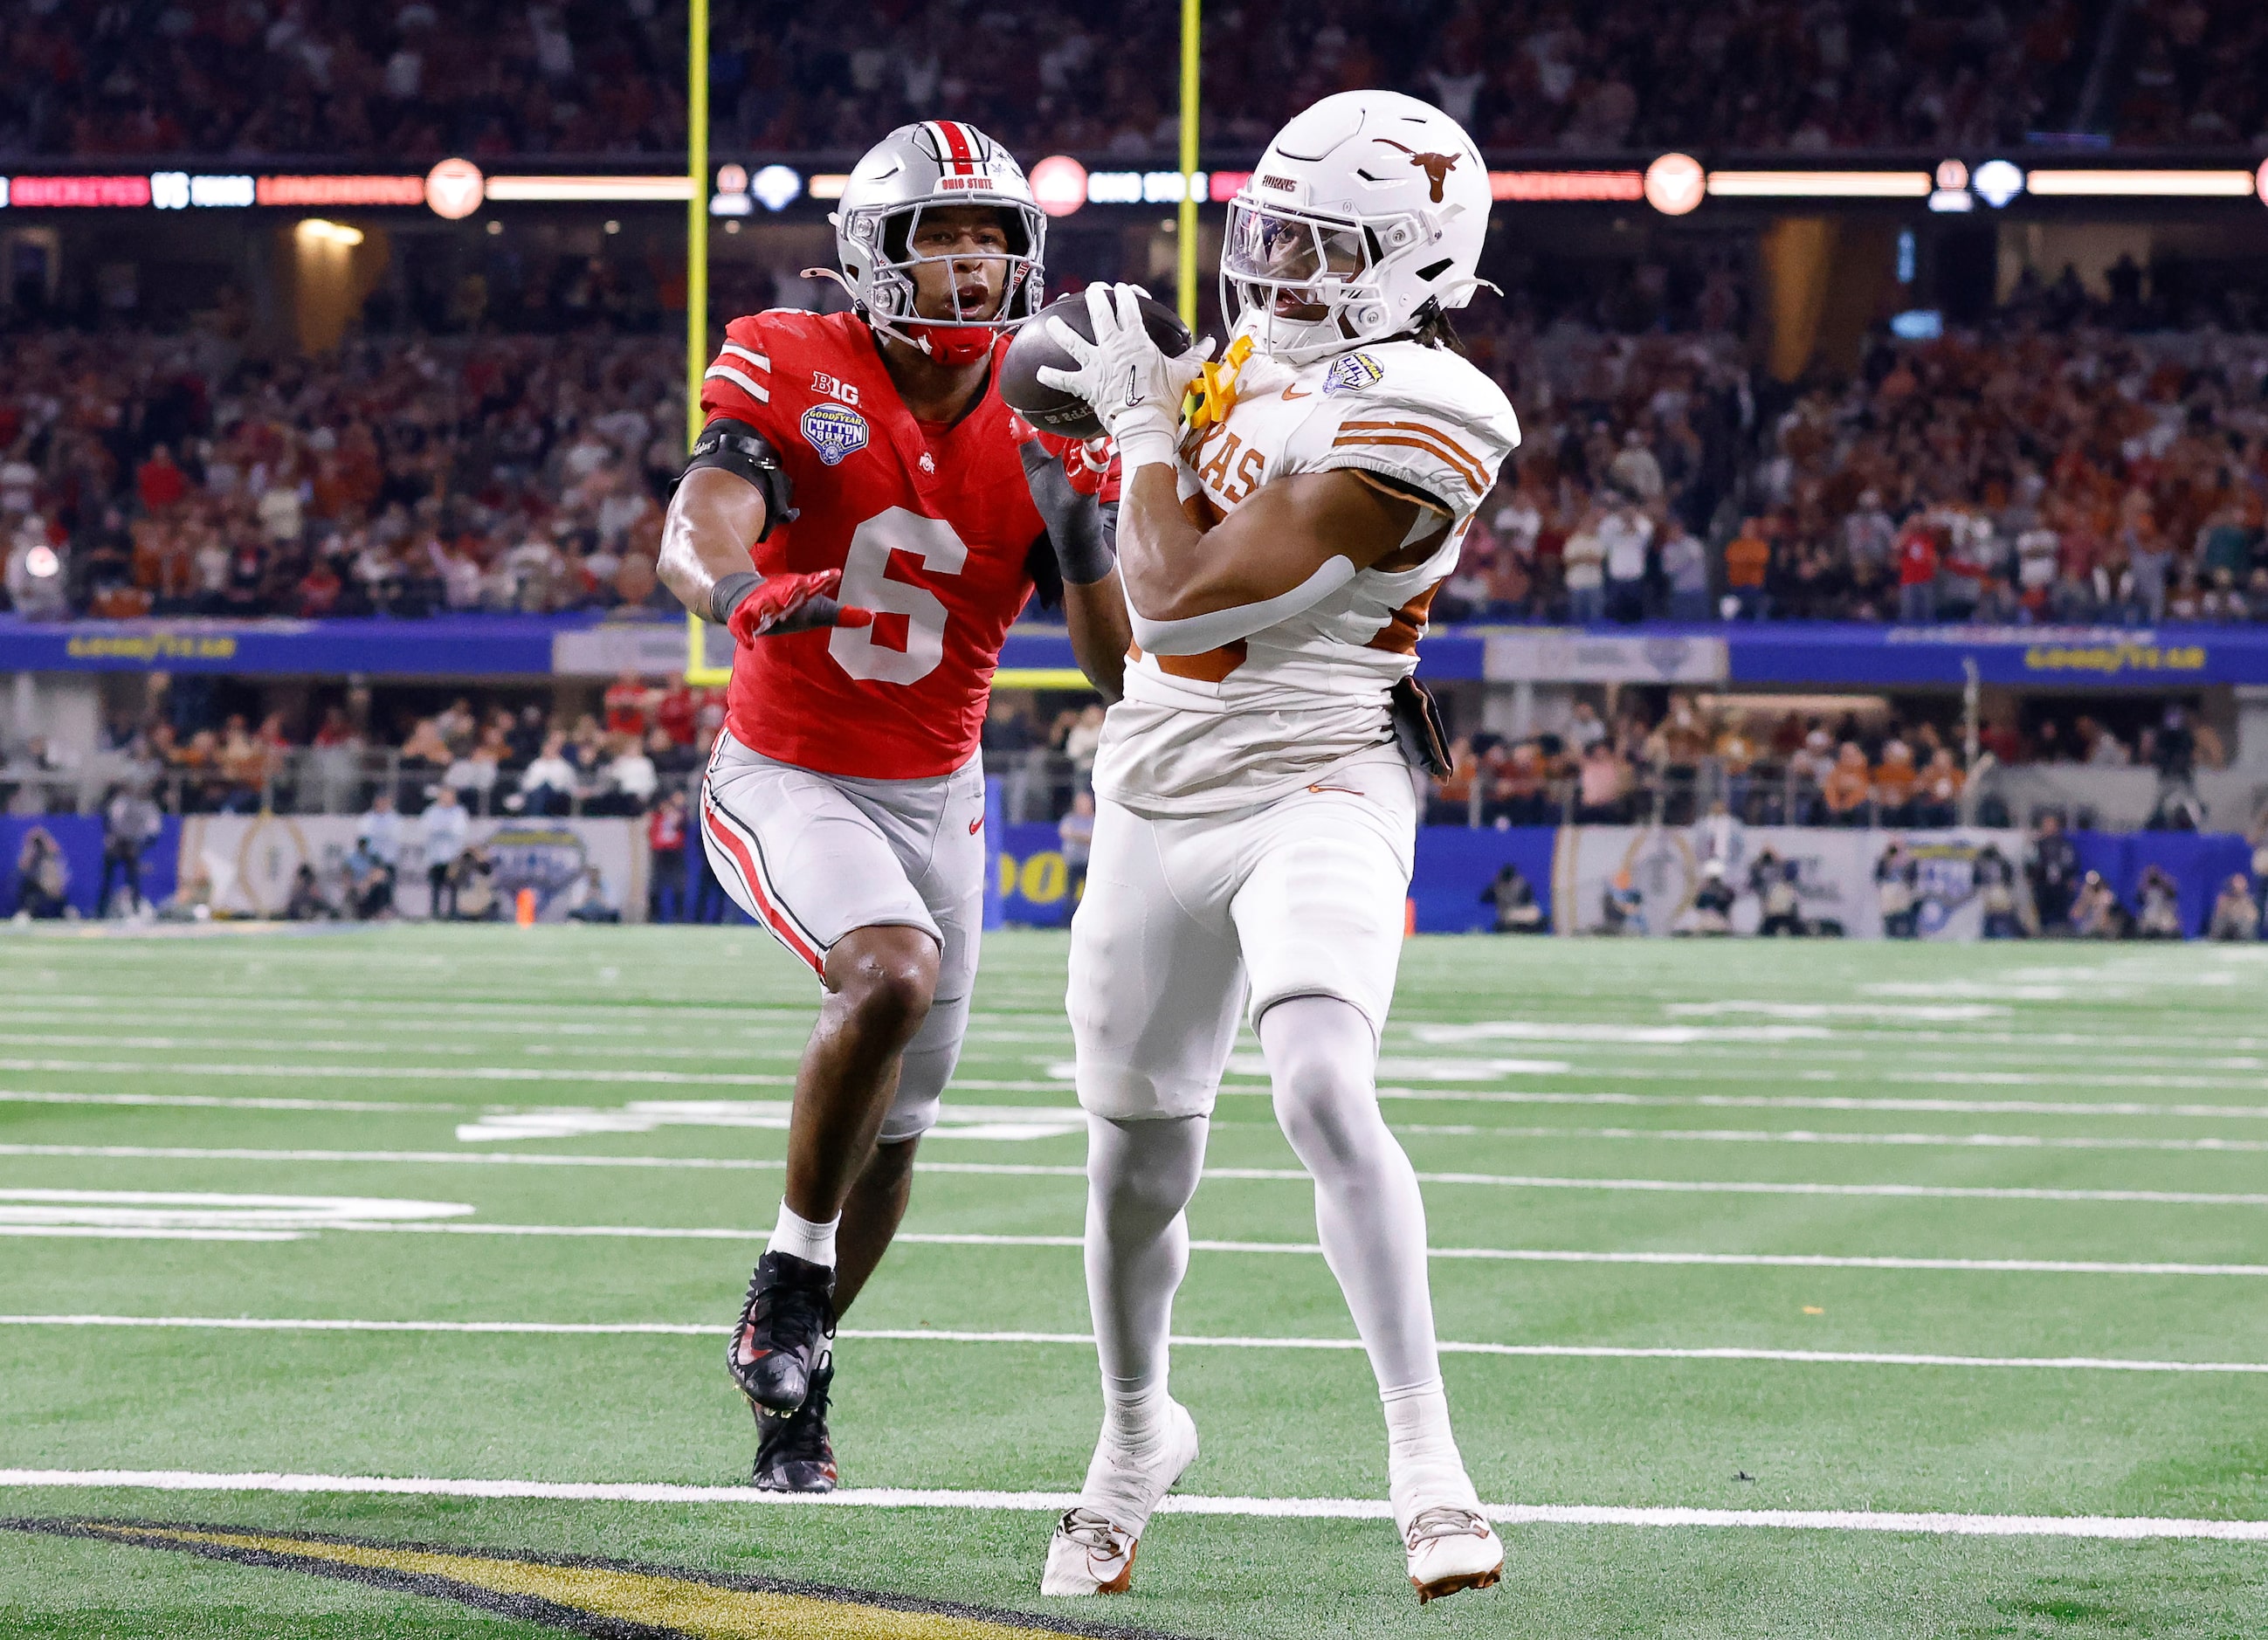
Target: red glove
1091,465
792,603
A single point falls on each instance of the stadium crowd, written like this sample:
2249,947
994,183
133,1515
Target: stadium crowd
414,81
177,476
2072,462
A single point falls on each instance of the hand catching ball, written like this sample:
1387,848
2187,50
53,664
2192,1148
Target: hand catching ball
1051,409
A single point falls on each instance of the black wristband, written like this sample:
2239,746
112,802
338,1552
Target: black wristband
724,597
1085,549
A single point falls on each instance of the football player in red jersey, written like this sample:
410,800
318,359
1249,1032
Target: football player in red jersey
867,517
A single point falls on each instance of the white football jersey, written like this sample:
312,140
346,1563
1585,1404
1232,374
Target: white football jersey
1247,724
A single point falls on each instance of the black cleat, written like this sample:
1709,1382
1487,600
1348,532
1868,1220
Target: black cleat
792,1453
783,1332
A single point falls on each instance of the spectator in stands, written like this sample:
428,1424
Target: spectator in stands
2235,915
1895,780
1847,787
1603,787
1624,534
1937,793
1513,899
1082,741
1450,802
1748,563
442,829
1685,568
1918,566
630,779
549,784
42,879
1584,559
665,842
2055,874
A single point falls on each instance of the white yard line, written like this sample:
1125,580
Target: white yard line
1775,1135
943,1335
1518,1255
2108,1526
1983,1193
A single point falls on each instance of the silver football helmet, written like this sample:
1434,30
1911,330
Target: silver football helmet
924,167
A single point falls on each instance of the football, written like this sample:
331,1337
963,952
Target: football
1051,409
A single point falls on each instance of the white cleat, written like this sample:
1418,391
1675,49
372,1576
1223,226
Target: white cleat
1451,1548
1092,1550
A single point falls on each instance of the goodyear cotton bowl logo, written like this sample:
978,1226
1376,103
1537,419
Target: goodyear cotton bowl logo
1352,373
833,431
550,859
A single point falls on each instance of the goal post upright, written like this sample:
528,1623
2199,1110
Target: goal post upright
699,670
1186,261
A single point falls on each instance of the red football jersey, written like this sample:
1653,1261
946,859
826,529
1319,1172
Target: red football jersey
931,525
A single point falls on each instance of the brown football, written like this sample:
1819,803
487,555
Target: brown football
1051,409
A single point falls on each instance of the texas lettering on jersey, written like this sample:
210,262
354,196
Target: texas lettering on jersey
931,525
1266,715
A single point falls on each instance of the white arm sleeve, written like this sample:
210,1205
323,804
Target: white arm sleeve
1194,634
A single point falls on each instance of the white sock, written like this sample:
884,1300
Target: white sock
1140,1175
1422,1459
800,1237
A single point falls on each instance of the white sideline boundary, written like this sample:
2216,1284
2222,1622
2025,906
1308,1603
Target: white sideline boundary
2101,1526
1984,1192
936,1334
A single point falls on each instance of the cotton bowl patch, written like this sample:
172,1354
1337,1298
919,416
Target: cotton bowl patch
833,431
1352,372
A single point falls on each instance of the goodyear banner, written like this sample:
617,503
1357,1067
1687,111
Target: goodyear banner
2052,657
251,860
1036,885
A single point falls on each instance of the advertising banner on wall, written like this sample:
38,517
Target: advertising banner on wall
252,860
1654,873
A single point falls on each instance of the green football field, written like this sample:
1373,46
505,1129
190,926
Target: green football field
1747,1255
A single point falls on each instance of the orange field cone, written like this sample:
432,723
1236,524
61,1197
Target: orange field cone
1408,917
523,907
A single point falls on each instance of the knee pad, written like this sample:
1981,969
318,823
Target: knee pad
924,1068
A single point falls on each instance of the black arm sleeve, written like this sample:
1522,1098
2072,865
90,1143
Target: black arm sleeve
743,451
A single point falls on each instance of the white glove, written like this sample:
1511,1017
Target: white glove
1123,375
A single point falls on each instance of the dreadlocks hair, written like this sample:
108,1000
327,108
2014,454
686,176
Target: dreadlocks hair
1433,329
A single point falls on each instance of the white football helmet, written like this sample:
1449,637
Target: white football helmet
918,167
1369,207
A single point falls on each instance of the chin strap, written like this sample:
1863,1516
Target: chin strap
894,329
1460,292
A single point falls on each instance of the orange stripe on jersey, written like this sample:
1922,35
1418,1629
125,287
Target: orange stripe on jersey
1406,625
1212,666
1477,481
1447,448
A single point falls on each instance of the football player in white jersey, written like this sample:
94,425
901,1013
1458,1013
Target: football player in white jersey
1279,544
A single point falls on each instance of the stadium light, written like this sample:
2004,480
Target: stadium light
1820,184
2143,184
777,186
1059,185
1674,184
1113,187
826,184
316,231
1998,181
454,189
674,190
